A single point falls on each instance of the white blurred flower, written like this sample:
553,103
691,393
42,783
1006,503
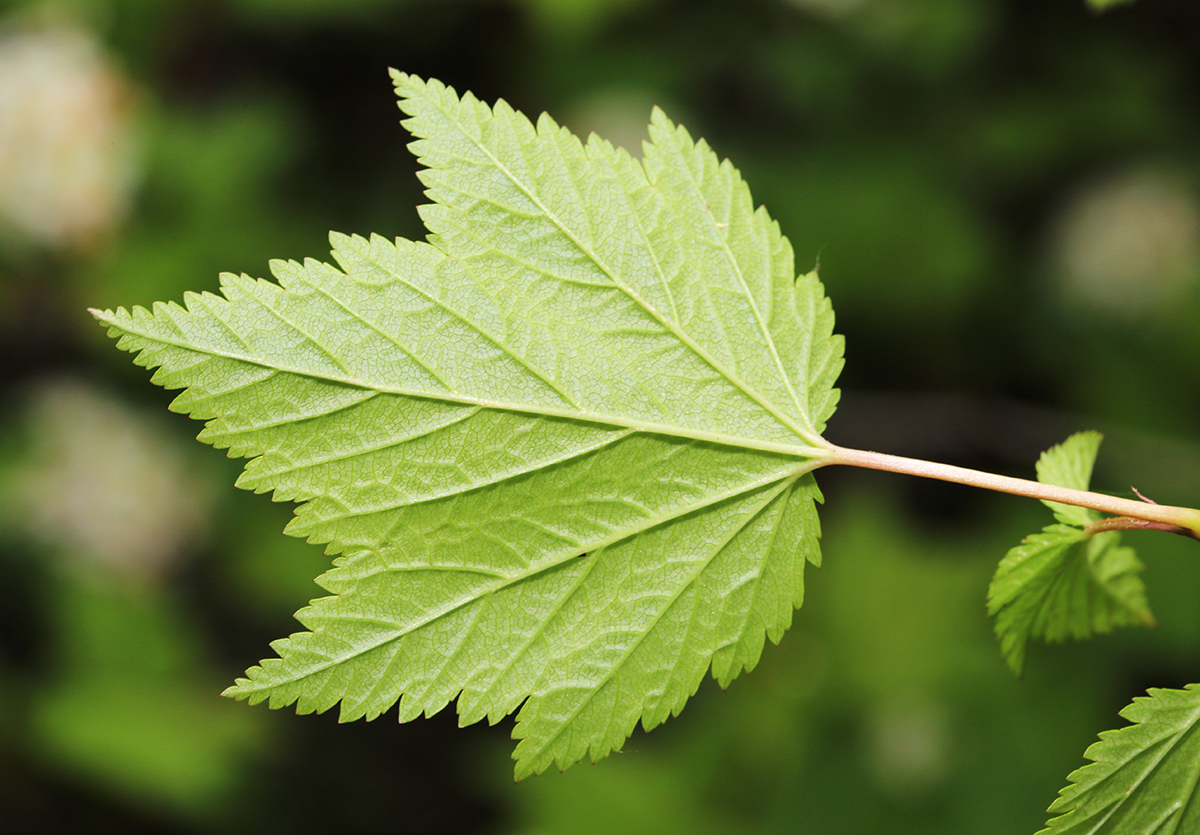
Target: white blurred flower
67,151
107,484
1129,243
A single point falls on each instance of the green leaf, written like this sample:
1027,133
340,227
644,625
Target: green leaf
1143,777
1066,581
1101,5
1070,465
564,448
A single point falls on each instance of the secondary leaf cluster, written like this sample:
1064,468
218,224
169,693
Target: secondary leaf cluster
1067,580
563,449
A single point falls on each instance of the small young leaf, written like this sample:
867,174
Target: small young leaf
1062,583
1066,581
1143,778
564,448
1070,465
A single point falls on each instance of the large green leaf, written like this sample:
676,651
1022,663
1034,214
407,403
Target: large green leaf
1066,581
1143,777
564,448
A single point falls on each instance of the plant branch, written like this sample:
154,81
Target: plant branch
1136,514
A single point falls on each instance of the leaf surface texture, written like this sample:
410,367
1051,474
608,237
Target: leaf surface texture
563,448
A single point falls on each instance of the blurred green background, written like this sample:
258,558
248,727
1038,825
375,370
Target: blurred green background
1004,199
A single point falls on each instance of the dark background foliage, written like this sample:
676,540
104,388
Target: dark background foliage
1002,196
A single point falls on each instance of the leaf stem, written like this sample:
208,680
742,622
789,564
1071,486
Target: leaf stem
1135,514
1126,523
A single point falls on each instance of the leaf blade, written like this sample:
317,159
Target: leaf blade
1070,464
600,222
1061,584
1143,777
545,489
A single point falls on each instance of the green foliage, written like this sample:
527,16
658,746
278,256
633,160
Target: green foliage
130,709
1143,777
1101,5
1066,581
894,138
563,449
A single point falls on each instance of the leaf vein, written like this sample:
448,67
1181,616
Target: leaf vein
555,560
389,444
642,634
390,338
812,453
681,335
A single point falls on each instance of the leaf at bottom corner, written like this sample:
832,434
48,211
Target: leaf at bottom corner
1143,777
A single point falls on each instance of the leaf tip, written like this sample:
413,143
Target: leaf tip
107,318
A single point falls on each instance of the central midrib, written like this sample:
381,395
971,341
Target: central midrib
587,416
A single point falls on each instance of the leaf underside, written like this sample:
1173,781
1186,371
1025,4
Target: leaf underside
1143,778
1066,581
563,449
